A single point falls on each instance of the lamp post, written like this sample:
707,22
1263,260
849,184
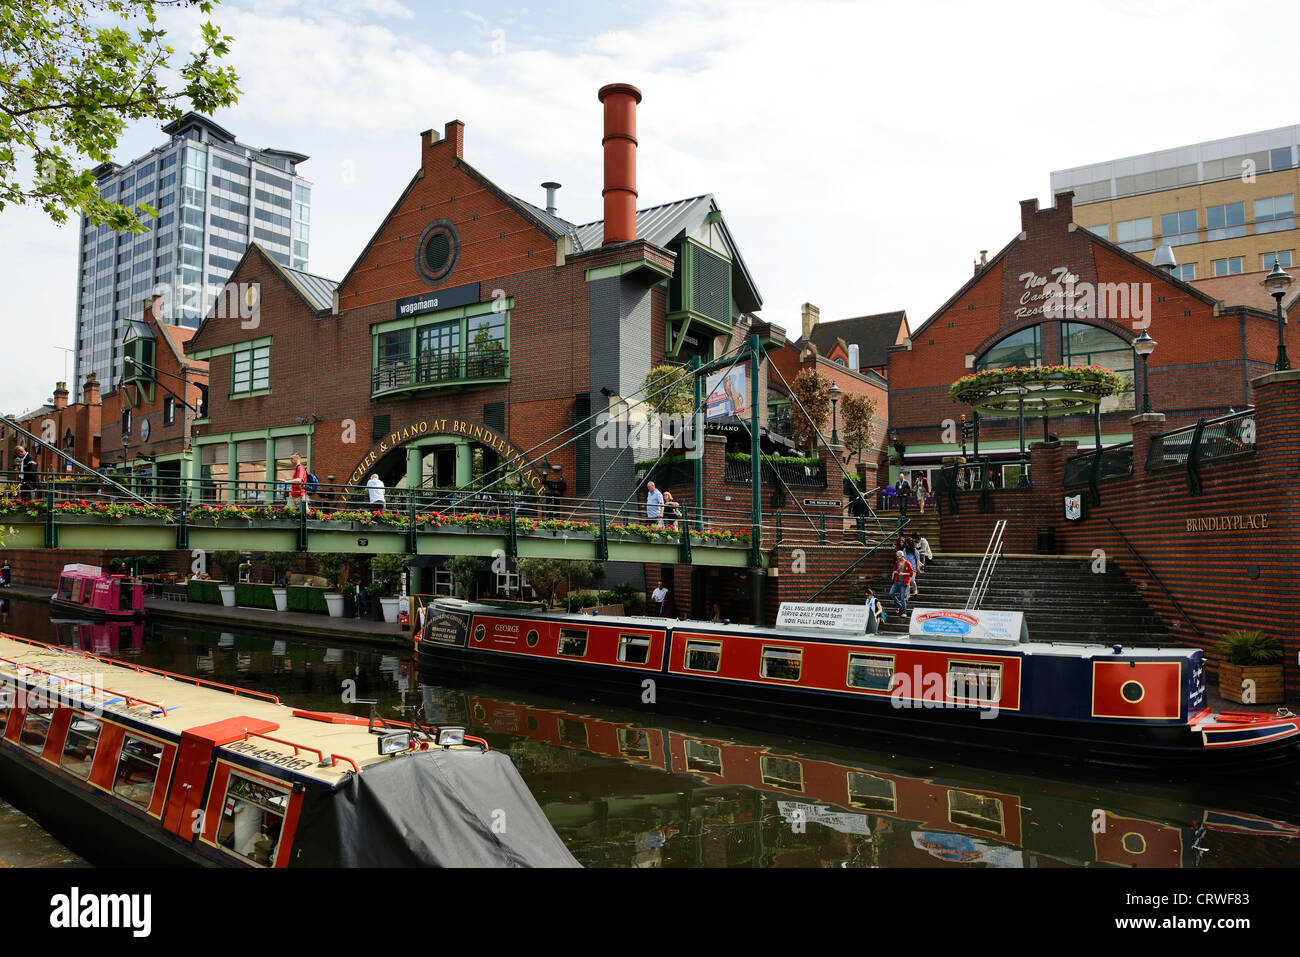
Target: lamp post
1277,283
835,399
1144,345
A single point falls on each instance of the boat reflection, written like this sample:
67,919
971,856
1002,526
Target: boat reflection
114,639
736,801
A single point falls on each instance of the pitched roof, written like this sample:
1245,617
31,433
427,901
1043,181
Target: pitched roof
873,336
1245,289
318,290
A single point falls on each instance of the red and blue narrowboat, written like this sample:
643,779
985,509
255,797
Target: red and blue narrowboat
86,590
130,765
972,677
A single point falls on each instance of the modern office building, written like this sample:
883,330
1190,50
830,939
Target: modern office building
1225,206
214,196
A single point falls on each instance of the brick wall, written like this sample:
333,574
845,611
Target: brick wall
1207,571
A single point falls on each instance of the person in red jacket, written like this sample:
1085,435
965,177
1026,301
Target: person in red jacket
901,581
298,484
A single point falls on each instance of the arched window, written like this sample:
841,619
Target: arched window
1085,345
1023,348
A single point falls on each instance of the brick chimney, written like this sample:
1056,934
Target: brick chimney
811,314
153,308
1065,205
60,395
620,101
454,133
90,391
1028,207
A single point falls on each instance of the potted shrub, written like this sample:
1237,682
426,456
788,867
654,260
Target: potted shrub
330,565
387,571
1251,672
228,563
279,564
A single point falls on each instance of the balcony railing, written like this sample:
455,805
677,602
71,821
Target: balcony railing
1221,438
440,368
1116,461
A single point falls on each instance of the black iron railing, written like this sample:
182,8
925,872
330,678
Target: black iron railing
1227,436
1113,461
433,368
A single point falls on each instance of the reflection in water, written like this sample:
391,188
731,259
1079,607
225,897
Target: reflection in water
631,788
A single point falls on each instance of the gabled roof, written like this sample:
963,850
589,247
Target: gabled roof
873,336
316,289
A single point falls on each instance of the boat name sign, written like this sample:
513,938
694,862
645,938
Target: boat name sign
846,618
996,626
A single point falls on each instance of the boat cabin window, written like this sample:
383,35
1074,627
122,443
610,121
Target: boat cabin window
873,672
79,746
981,811
974,681
65,588
137,770
36,727
573,642
784,773
784,664
634,649
634,742
872,793
703,758
252,818
572,732
703,655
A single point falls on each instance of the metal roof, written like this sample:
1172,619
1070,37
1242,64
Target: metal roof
558,226
318,290
656,224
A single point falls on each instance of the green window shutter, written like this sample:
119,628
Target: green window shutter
710,285
494,415
581,411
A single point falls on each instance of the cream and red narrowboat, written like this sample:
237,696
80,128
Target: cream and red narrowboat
134,766
86,590
972,677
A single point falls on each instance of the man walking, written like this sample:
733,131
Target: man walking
654,504
660,597
900,582
376,489
298,484
25,466
903,490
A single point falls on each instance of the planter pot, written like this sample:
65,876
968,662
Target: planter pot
281,598
334,604
391,607
1251,684
227,595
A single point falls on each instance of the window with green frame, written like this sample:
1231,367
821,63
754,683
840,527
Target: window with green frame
441,349
1023,348
250,370
486,350
438,349
1085,345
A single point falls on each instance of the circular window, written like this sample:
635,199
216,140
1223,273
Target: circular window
1132,691
438,251
479,713
479,632
532,638
1134,843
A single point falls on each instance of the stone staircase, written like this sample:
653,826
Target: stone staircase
1062,598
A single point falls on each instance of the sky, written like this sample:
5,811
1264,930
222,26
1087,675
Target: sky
862,153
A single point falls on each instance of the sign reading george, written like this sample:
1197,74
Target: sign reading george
994,626
466,295
846,618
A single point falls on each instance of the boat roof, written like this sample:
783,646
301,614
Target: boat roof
135,694
1056,648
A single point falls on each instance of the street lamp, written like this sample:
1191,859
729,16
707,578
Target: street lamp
1144,345
1277,283
835,398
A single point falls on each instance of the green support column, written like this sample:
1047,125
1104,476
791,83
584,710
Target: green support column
414,469
756,459
413,573
464,464
697,433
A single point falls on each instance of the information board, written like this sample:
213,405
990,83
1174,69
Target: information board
958,625
850,619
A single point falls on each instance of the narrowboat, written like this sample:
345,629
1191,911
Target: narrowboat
957,676
950,813
86,590
131,765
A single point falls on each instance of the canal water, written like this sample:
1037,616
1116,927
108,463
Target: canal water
626,787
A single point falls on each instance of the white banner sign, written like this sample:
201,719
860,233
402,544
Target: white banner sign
847,618
995,626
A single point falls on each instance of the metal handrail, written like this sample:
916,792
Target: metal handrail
1154,577
988,561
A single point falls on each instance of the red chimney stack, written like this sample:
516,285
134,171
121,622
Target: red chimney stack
620,100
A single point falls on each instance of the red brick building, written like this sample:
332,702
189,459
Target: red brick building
1207,350
72,428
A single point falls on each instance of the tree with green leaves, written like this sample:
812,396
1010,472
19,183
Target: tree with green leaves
859,422
464,571
73,73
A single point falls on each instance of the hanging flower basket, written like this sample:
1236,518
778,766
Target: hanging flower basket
1038,390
